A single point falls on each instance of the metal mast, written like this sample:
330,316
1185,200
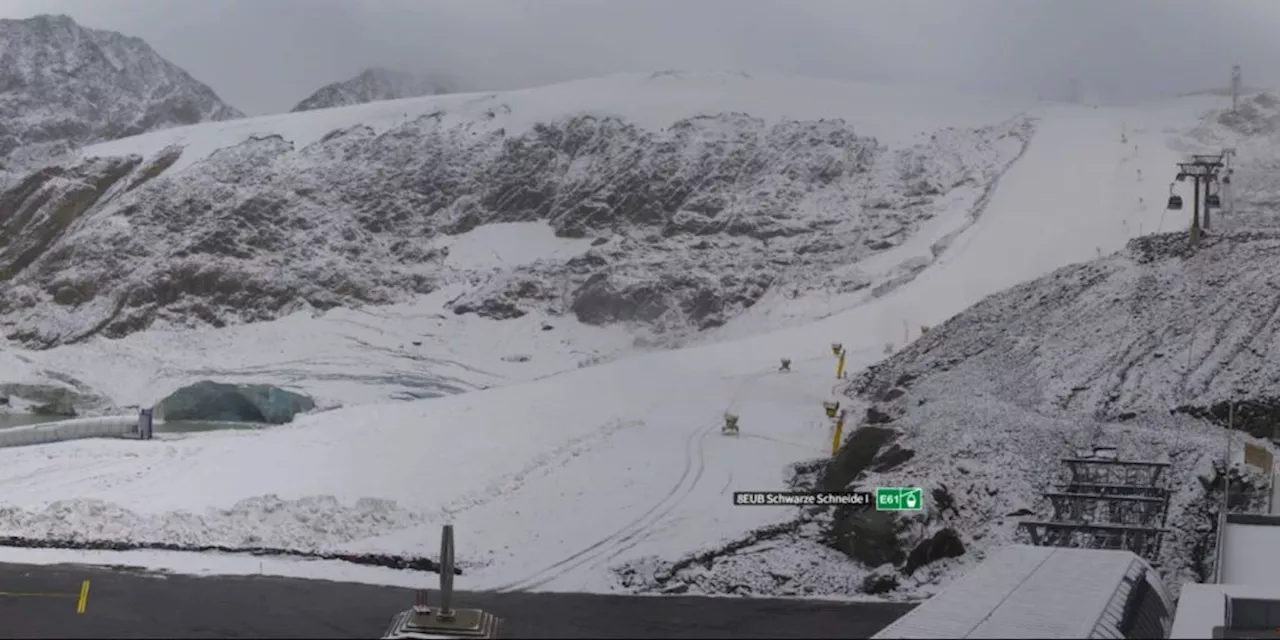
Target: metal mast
1235,88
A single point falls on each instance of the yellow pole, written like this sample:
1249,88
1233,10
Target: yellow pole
840,366
835,441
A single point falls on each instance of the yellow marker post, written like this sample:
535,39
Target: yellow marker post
840,367
84,597
835,441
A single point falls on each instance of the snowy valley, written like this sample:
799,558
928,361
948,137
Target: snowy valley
588,276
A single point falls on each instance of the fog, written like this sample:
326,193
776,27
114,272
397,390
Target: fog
265,55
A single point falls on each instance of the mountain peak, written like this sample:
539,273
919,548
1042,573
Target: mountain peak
375,84
65,85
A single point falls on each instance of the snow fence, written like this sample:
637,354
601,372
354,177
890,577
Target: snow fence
72,429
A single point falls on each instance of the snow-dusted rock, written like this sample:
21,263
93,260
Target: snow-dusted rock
63,85
375,84
690,224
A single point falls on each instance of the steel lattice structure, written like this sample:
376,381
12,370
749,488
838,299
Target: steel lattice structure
1105,503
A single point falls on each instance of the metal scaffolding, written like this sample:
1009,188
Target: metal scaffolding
1105,503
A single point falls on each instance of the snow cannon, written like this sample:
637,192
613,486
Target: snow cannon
831,407
424,622
730,427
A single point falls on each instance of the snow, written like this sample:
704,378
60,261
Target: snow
509,244
1072,197
551,481
227,564
343,356
896,115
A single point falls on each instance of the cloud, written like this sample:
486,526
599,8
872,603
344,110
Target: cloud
265,55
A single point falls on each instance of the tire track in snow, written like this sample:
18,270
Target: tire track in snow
677,498
512,482
694,465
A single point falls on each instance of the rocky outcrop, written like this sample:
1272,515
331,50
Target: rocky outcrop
217,402
35,214
691,224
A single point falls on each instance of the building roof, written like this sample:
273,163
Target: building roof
1249,547
1025,592
1201,607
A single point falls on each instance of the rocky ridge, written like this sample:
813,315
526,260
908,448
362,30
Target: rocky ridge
372,85
689,224
63,85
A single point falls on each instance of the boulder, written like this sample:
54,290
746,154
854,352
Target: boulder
945,543
855,456
234,403
870,537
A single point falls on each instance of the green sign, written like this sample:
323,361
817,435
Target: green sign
899,498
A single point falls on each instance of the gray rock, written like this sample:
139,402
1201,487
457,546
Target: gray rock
855,456
945,543
870,537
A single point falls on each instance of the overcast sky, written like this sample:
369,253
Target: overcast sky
265,55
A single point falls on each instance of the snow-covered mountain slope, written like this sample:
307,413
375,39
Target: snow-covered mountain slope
63,85
692,211
554,483
372,85
983,406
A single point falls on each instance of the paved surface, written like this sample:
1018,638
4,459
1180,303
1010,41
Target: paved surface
42,602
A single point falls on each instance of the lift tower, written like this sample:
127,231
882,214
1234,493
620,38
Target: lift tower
1235,88
1203,171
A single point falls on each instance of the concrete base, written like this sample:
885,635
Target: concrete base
466,623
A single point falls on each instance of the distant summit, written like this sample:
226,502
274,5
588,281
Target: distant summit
373,85
63,85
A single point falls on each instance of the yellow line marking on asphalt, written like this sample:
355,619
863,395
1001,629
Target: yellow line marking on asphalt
32,594
84,597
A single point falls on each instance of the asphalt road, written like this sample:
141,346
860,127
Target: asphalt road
44,602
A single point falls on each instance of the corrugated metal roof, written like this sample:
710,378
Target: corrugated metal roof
1023,591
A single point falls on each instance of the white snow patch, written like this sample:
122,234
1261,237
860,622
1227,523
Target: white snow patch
340,357
509,244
